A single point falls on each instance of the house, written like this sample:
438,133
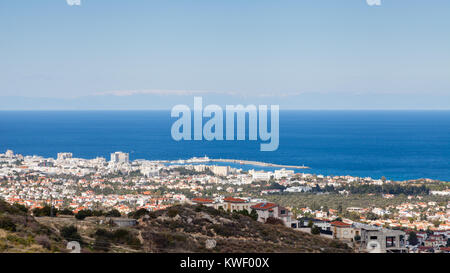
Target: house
123,222
304,221
324,225
425,249
439,240
236,204
266,210
444,249
383,240
343,231
230,204
202,201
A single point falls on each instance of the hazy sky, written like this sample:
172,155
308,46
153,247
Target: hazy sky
292,52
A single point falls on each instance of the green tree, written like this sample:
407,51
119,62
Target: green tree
70,233
340,209
66,211
82,214
254,215
315,230
413,238
113,213
139,213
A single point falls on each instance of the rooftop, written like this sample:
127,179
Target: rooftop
264,206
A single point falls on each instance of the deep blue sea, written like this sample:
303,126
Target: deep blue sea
395,144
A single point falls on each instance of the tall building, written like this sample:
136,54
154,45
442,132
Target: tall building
63,156
9,153
220,170
120,157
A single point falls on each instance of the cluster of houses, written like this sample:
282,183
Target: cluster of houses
372,239
264,210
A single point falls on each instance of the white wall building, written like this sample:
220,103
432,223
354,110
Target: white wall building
120,157
63,156
9,153
260,175
220,170
283,173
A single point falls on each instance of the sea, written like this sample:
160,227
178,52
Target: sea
399,145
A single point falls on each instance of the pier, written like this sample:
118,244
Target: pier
257,163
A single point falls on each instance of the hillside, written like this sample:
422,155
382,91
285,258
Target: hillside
187,229
181,228
20,232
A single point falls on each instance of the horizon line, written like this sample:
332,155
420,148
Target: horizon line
287,109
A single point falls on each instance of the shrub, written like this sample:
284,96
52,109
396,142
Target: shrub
113,213
223,230
172,212
6,223
104,238
102,244
139,213
97,213
315,230
274,221
14,209
18,240
236,215
254,215
44,241
66,211
70,233
20,207
82,214
124,236
45,211
338,244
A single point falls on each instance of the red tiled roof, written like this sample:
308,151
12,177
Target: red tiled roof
425,247
340,224
264,206
202,200
234,200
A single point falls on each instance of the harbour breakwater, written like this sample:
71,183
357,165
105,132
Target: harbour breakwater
257,163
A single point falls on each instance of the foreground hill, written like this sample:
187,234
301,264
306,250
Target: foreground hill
181,228
199,228
20,232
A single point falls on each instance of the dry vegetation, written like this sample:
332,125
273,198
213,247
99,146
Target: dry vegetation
180,228
186,229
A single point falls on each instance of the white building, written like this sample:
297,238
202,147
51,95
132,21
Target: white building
9,153
199,168
220,170
283,173
120,157
298,189
150,171
266,210
63,156
260,176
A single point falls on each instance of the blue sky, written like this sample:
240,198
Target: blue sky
321,54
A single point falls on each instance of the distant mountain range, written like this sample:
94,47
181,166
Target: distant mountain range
286,101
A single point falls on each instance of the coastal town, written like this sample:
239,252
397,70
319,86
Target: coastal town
406,216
